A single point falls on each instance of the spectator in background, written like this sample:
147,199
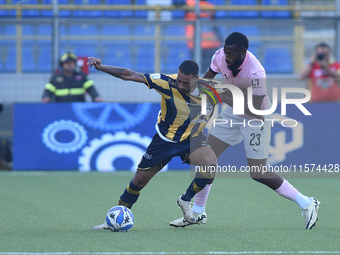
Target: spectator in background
69,85
210,40
5,151
324,75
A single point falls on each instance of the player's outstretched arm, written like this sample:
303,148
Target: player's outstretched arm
119,72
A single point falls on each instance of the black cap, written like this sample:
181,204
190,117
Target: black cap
68,56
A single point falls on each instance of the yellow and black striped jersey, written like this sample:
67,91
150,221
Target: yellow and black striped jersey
180,116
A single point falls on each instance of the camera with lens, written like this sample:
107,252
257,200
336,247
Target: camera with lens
320,56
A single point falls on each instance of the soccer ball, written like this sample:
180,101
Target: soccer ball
119,218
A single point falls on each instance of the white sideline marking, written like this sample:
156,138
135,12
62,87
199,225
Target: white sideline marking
169,253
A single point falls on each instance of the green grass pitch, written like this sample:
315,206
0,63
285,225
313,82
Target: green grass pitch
52,213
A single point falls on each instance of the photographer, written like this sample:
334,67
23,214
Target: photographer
323,75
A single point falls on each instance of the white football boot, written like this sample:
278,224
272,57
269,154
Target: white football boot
103,226
186,208
201,218
310,213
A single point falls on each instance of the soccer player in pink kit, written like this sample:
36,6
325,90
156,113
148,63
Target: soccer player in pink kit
241,68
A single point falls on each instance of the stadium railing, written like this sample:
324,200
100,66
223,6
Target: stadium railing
23,43
296,8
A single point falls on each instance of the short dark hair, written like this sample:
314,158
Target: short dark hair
323,45
189,67
238,39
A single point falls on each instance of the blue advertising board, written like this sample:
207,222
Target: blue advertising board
83,136
112,136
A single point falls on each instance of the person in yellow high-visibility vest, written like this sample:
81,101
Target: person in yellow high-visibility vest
69,85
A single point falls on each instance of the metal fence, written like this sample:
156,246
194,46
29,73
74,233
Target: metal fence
281,46
282,42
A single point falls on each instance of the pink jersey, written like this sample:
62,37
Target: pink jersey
252,74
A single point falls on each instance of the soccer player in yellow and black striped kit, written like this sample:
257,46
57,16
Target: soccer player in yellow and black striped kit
179,128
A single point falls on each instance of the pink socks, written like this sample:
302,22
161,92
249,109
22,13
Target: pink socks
201,199
288,191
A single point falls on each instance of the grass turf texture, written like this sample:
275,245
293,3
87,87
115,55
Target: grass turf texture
54,211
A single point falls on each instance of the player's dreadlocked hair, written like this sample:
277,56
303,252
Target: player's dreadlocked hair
238,39
189,67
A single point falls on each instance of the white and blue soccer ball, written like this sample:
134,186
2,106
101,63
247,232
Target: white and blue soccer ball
119,218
